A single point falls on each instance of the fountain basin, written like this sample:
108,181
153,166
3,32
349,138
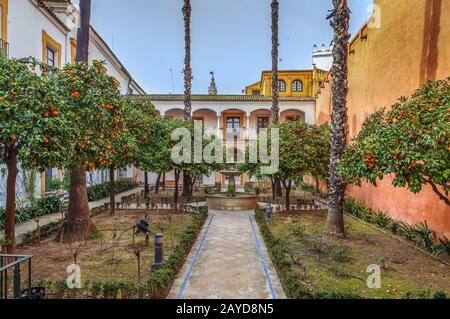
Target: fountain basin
240,202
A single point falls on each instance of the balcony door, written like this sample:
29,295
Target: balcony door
233,128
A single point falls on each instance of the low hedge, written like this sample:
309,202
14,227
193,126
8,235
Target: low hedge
44,206
291,281
100,191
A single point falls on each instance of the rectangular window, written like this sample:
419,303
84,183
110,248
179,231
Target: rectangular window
233,128
295,118
262,122
51,56
256,92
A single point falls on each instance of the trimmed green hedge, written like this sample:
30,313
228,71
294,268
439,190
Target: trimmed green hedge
44,206
101,191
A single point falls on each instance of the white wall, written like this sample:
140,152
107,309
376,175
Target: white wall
26,21
25,25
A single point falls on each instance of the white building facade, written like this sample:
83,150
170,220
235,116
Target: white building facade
47,30
230,116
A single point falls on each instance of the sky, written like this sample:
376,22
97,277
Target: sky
230,37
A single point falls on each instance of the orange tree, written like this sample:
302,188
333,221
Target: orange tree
411,142
32,128
94,109
120,150
303,149
142,124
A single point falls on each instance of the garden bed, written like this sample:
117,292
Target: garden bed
313,266
108,262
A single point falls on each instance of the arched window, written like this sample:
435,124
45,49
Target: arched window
297,86
281,86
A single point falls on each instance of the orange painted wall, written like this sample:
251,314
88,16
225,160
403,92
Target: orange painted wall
411,47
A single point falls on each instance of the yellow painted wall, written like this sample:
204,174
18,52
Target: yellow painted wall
4,20
310,79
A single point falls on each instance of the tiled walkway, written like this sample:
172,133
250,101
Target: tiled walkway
228,261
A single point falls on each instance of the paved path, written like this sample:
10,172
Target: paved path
228,261
30,225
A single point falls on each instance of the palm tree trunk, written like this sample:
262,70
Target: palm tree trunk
275,88
187,81
275,45
187,60
340,22
78,223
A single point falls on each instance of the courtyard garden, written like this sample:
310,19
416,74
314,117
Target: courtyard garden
117,260
319,242
313,266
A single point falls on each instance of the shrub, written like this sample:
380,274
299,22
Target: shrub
44,206
440,295
101,191
207,189
419,234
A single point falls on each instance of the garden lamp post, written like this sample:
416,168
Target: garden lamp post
159,241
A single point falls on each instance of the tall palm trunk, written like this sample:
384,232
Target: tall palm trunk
275,88
187,60
340,18
275,45
187,81
78,222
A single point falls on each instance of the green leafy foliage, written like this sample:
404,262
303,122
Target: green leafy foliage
44,206
101,191
411,143
94,108
31,124
420,234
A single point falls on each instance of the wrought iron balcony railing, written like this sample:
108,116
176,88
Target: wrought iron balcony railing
4,47
12,264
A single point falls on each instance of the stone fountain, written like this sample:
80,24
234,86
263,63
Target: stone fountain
232,200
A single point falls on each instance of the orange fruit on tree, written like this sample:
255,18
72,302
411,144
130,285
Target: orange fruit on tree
75,94
46,115
55,113
14,138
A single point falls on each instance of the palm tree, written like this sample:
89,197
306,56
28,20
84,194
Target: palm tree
187,60
78,224
275,45
276,185
340,18
187,191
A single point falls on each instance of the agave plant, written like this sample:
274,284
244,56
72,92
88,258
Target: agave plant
394,226
445,245
423,235
381,220
407,231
